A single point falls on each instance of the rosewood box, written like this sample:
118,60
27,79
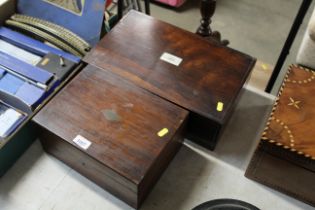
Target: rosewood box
179,66
116,134
285,157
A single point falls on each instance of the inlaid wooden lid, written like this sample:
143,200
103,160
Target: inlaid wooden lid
292,121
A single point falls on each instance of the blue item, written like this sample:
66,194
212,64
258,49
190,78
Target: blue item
30,94
87,22
33,45
27,93
10,84
27,70
13,123
2,72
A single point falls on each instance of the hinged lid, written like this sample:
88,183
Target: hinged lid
177,65
290,131
113,121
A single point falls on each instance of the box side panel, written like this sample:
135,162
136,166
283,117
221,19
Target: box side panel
283,176
203,131
287,154
89,167
161,163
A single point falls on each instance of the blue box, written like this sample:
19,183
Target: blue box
27,70
15,145
27,93
2,72
86,22
15,83
30,94
33,45
10,84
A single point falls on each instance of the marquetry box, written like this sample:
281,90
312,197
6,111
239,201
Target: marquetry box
285,157
181,67
116,134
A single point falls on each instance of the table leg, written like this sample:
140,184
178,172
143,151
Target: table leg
147,7
120,8
207,9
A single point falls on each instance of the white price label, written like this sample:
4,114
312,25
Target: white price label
82,142
172,59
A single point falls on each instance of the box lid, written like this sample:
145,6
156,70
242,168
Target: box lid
175,64
290,130
113,121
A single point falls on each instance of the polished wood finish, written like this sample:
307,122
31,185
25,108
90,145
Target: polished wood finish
291,127
208,74
207,10
282,175
122,121
285,157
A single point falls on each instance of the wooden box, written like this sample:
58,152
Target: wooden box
116,134
285,157
179,66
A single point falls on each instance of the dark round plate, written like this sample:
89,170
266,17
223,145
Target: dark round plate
225,204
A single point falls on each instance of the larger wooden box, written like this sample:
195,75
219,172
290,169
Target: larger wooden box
285,157
179,66
116,134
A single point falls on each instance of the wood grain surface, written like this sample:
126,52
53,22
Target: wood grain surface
208,74
122,121
292,121
282,175
285,157
290,130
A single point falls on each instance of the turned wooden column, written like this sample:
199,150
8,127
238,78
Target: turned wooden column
147,7
207,9
121,7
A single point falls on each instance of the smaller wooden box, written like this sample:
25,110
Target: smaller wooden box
113,132
181,67
285,157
